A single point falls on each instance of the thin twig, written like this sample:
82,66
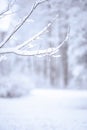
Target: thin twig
19,49
62,42
9,6
49,51
37,35
23,21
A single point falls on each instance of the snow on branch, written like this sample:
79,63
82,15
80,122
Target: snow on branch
9,6
22,22
46,52
19,49
37,35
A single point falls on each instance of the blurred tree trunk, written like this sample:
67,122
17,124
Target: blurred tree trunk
52,62
64,58
77,52
63,30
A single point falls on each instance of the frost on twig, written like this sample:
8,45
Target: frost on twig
19,25
9,6
20,49
50,51
37,35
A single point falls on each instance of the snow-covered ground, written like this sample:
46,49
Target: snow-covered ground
45,109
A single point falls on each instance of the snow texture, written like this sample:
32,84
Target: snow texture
10,86
45,109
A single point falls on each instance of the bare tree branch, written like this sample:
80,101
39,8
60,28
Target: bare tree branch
37,35
9,6
62,42
49,51
23,21
25,52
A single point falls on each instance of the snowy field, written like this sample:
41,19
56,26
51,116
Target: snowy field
45,109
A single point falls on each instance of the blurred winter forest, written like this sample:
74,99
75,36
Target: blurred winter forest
67,69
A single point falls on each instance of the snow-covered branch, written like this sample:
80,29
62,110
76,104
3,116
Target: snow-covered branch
35,37
19,25
20,49
9,6
46,52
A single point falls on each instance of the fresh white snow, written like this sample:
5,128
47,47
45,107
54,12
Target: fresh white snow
45,109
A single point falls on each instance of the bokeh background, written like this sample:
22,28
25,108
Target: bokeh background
20,74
